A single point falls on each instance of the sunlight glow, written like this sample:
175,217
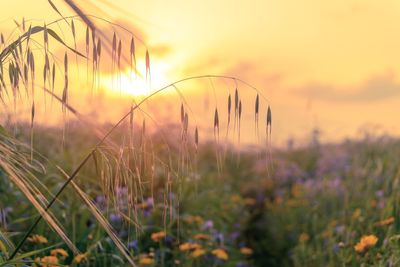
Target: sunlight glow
131,84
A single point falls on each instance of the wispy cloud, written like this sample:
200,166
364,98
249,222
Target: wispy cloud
377,88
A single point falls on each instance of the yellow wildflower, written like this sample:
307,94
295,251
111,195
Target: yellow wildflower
201,236
184,246
146,261
47,261
81,257
220,254
59,251
189,246
246,251
197,253
38,239
365,243
195,246
198,219
304,237
156,237
142,205
385,222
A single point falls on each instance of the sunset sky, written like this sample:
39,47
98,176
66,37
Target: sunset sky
334,65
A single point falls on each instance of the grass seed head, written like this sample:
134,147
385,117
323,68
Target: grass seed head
119,53
45,36
87,39
240,109
73,28
132,48
257,105
99,47
114,43
196,137
54,75
236,100
182,113
216,119
147,64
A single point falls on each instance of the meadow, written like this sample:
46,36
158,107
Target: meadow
143,191
318,205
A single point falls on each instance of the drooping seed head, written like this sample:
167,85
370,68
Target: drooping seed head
182,113
132,49
94,35
236,100
119,52
257,105
26,73
54,74
32,113
229,105
28,37
196,137
66,64
44,74
147,63
186,122
73,28
32,61
216,119
240,109
99,47
114,43
87,39
269,116
45,36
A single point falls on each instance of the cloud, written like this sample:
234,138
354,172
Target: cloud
377,88
249,71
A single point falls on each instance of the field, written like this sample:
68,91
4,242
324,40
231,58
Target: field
122,146
310,207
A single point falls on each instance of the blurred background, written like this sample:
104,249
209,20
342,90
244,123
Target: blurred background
328,66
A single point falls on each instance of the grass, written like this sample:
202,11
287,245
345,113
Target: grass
90,194
127,174
312,210
193,219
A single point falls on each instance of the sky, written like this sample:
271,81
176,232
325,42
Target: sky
332,65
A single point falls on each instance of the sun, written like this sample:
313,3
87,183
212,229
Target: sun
128,83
